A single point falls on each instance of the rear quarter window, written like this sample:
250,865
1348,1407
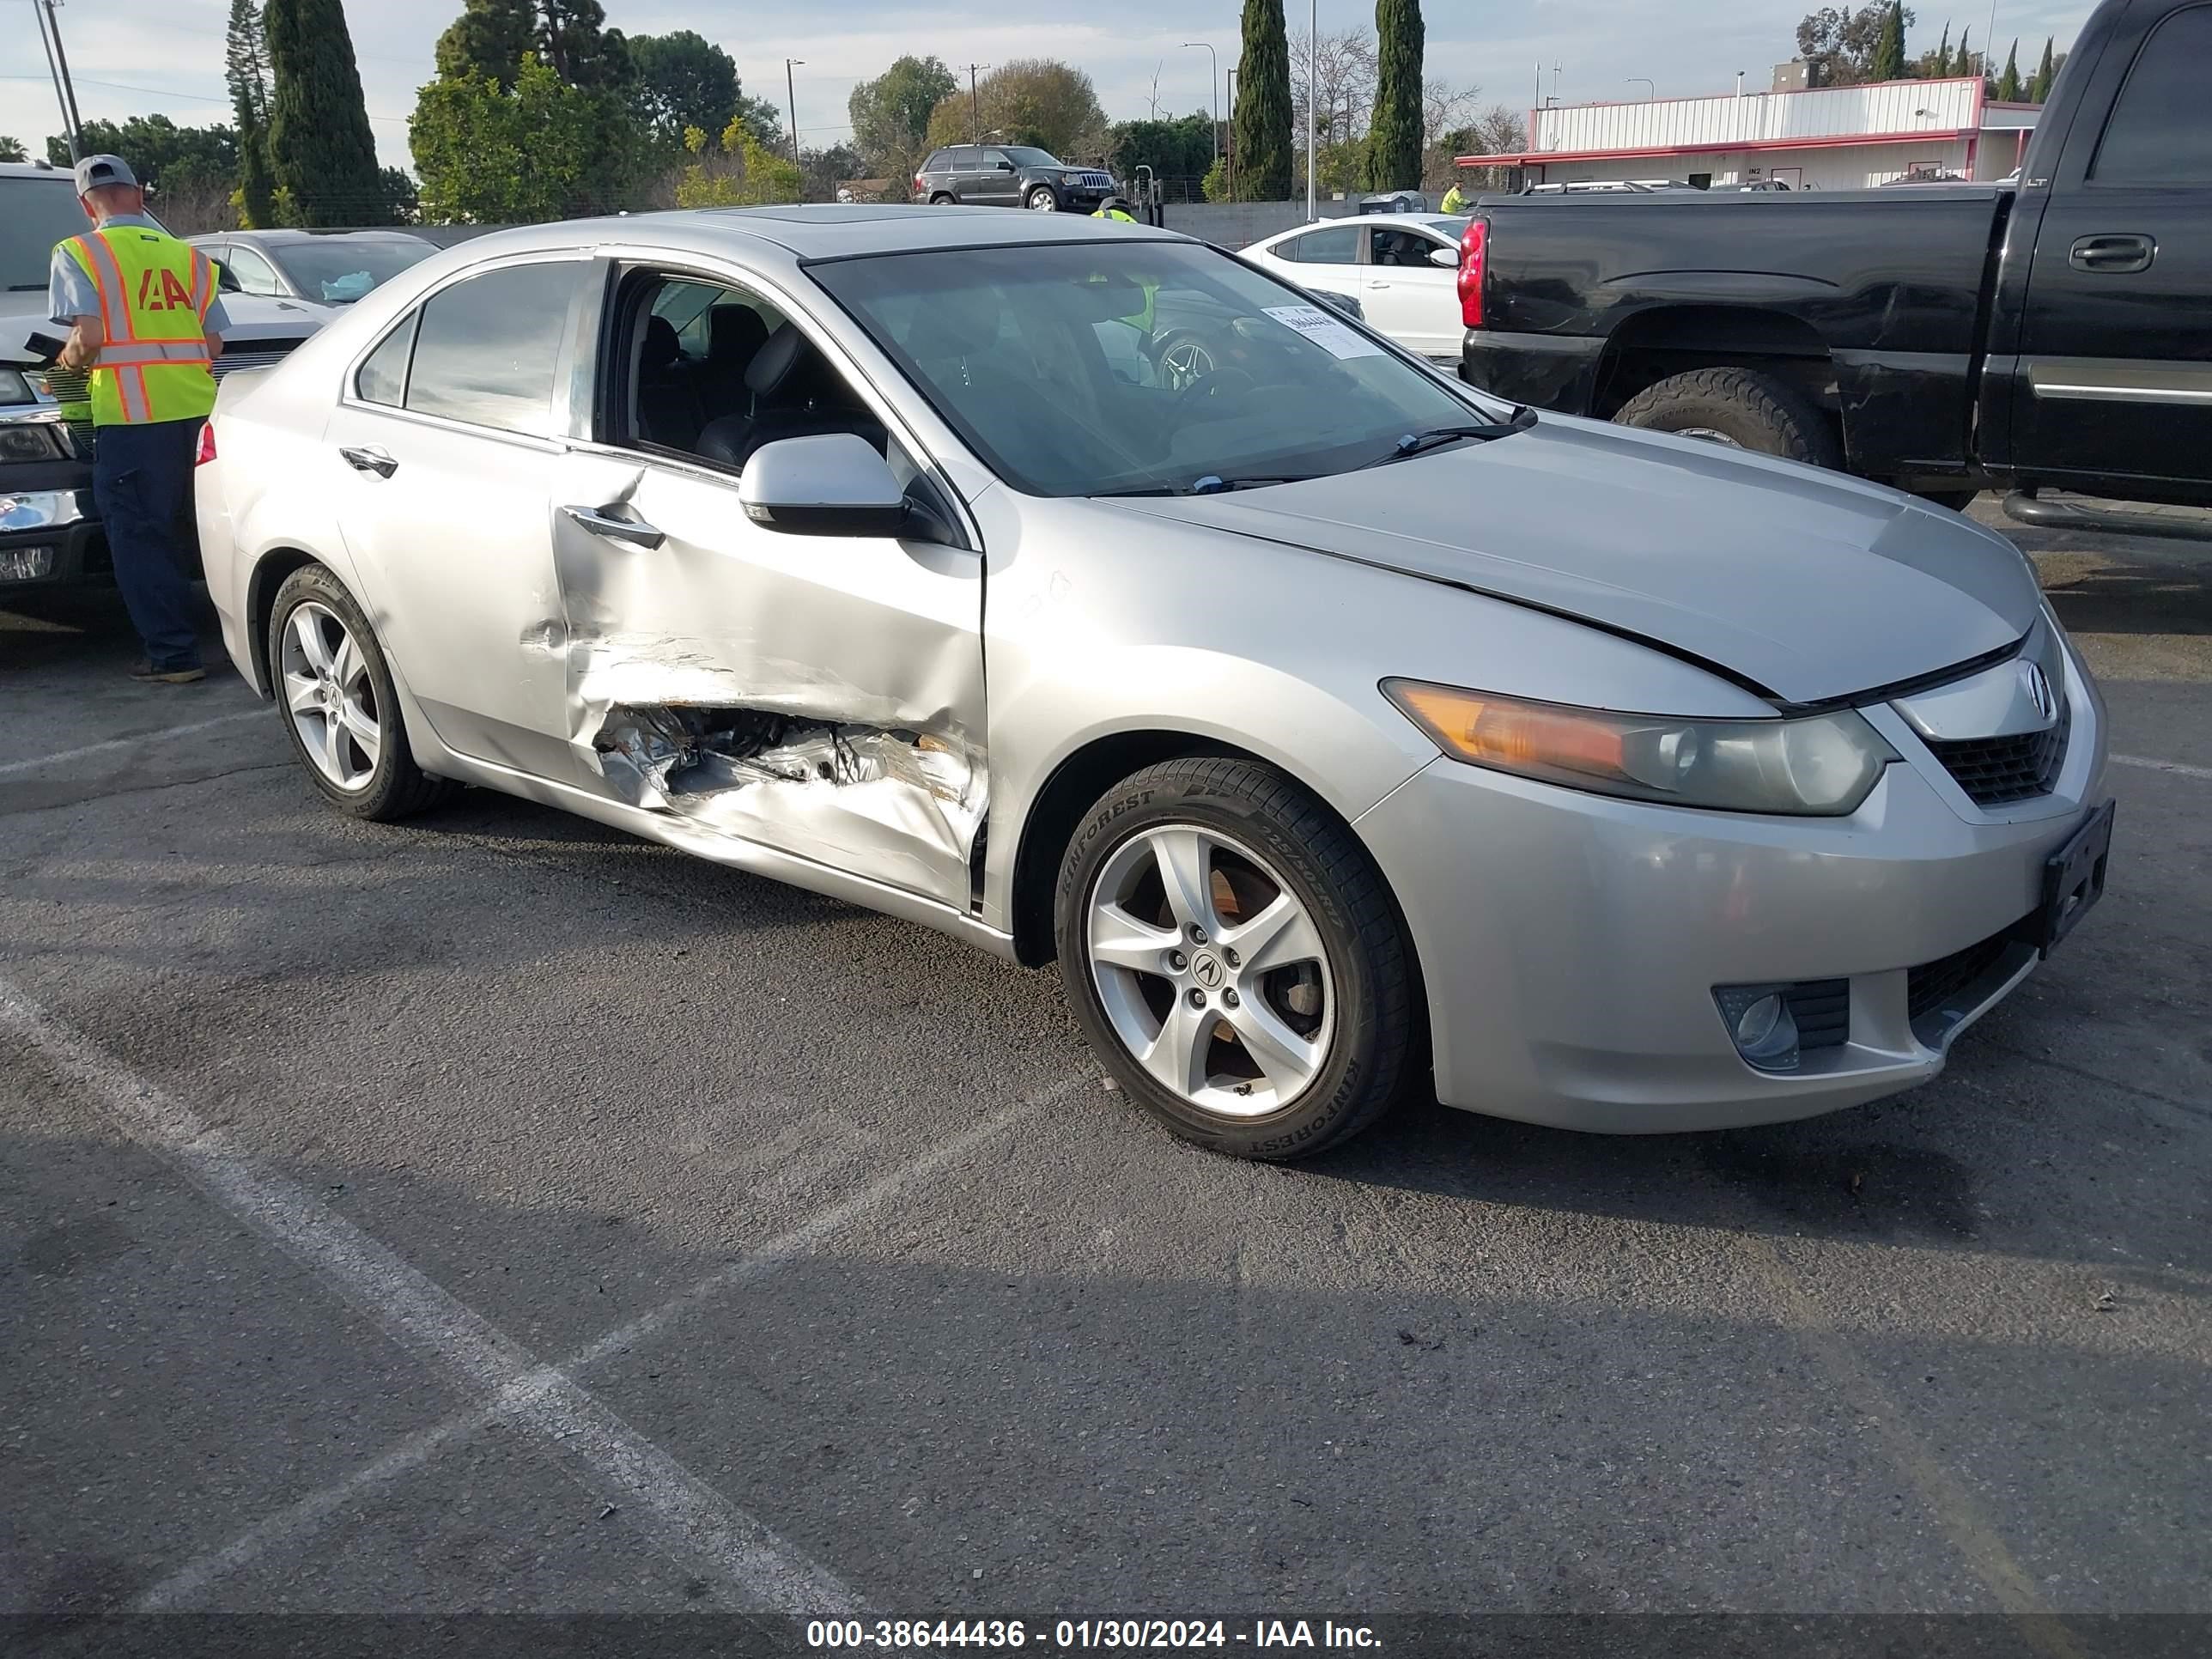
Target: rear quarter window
2161,129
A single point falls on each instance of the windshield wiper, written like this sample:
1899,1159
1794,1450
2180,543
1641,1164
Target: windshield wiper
1214,484
1415,443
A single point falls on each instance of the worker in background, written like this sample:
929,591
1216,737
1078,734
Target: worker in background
1116,207
1455,199
145,321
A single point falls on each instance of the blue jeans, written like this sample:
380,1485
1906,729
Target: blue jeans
141,482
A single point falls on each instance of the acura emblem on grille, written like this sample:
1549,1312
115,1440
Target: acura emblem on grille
2038,685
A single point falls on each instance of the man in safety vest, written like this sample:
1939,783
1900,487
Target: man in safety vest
145,321
1455,199
1117,208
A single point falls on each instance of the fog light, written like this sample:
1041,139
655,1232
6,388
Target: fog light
1760,1025
26,564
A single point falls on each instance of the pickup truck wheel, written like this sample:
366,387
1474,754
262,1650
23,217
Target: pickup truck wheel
1738,406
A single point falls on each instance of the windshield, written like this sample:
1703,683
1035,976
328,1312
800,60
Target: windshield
34,214
1028,155
339,272
1153,367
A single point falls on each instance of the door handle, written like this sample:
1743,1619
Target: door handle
371,458
2112,255
635,531
1371,282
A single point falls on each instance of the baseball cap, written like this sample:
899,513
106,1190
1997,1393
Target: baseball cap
94,171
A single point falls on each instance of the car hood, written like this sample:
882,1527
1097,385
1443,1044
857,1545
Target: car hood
254,320
1809,584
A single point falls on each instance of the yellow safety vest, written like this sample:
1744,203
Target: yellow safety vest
154,292
1142,322
1115,213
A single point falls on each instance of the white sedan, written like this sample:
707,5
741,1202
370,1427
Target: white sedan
1404,267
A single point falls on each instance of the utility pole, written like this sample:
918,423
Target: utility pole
1216,56
791,100
49,36
1313,86
975,106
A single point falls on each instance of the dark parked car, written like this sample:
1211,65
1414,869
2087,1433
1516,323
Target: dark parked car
1009,175
2055,335
335,269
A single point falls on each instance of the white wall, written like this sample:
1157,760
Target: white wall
1831,112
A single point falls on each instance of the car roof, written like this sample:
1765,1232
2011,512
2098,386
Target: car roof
36,170
279,238
823,231
1424,221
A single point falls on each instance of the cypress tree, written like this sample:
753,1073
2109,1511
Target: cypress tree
1943,55
2038,89
1263,106
1965,63
320,148
2008,82
1888,61
1393,140
246,67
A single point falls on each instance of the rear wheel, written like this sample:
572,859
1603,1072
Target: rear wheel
1235,959
1741,408
943,199
1042,200
334,692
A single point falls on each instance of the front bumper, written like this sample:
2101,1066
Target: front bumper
1571,943
59,519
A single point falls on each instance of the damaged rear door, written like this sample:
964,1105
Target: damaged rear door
820,694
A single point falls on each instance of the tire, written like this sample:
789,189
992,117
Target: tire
312,605
1335,978
1957,500
943,199
1042,200
1738,406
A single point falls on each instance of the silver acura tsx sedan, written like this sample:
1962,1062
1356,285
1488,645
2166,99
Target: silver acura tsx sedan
1079,589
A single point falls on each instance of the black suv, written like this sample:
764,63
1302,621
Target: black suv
1009,175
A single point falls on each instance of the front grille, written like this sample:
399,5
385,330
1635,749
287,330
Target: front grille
1930,987
1097,181
1995,771
1822,1009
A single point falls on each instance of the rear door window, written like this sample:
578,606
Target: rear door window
2161,129
488,348
1338,245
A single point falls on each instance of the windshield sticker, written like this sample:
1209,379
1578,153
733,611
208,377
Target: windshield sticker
1324,331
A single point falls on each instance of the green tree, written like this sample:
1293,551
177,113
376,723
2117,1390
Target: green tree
742,172
11,150
2038,89
683,80
246,68
1839,45
890,115
488,37
169,159
1394,137
1887,63
493,154
320,148
1028,100
1964,63
2008,88
1180,149
1262,127
581,49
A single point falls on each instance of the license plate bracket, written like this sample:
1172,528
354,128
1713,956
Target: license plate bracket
2073,878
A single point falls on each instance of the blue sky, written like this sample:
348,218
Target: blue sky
134,57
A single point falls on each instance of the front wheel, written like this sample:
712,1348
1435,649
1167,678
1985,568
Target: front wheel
943,199
1042,200
1235,959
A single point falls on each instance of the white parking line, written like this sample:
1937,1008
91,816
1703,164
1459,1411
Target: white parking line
2150,765
39,762
688,1517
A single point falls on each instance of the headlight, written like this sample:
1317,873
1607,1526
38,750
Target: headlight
14,388
1823,765
1070,178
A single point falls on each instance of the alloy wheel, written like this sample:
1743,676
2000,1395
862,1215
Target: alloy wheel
1212,972
332,697
1184,364
1041,201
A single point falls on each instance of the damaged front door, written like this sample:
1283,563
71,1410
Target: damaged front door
821,695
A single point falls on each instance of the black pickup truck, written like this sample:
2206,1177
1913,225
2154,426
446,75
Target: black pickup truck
2053,333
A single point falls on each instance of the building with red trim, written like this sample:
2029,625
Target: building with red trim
1826,138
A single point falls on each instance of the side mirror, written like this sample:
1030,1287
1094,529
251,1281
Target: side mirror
224,282
1003,165
834,485
1444,259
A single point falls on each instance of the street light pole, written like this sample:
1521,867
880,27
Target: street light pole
1216,56
1312,86
791,97
1647,80
1232,131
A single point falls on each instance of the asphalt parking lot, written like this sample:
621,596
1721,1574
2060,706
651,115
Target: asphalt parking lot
494,1213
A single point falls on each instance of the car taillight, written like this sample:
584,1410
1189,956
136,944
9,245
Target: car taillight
919,183
1471,250
206,453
